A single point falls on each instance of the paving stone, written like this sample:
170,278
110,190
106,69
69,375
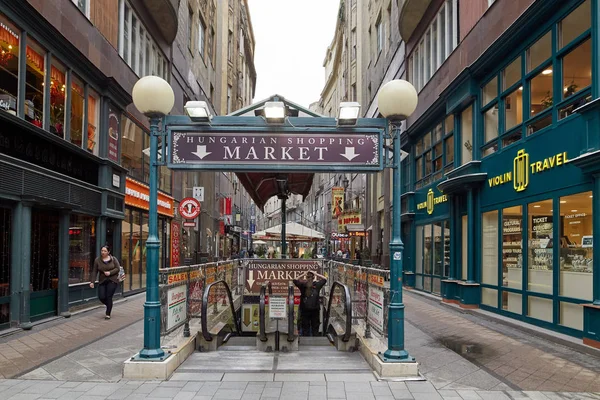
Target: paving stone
402,394
486,395
271,392
164,392
468,394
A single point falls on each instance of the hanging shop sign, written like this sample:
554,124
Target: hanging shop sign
113,135
175,240
340,235
337,201
138,195
349,217
523,167
189,208
357,234
431,201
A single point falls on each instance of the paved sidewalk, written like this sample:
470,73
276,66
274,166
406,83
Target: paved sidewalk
26,350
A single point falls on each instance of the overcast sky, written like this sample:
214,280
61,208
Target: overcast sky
291,40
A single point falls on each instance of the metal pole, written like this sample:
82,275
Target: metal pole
395,351
152,348
283,222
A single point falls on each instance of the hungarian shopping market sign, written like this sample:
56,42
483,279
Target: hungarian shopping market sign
259,151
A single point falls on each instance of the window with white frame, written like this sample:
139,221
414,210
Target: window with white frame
190,30
436,44
379,27
83,5
136,46
201,37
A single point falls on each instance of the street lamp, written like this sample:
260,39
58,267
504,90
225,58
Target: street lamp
397,100
153,97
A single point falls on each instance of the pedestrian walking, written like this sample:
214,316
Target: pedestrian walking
107,268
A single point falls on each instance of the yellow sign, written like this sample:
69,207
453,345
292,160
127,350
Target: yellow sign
349,217
521,169
337,200
376,280
431,201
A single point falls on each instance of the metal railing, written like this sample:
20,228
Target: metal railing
347,309
204,317
262,314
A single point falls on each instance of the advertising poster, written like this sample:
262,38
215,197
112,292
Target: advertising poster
337,201
113,135
176,300
376,308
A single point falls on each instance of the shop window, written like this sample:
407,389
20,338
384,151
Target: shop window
126,249
575,24
541,93
92,128
577,69
58,98
77,106
34,83
133,144
490,91
512,302
511,138
539,308
489,249
9,66
44,251
489,297
576,246
434,147
540,257
438,249
511,74
427,251
447,248
82,247
539,52
419,168
490,149
139,233
449,149
539,124
513,109
571,315
466,134
427,158
512,247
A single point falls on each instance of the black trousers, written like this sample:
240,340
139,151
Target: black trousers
106,291
310,322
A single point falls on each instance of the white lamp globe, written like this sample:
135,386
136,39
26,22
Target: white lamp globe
397,99
153,96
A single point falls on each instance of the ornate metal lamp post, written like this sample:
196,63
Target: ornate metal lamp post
397,100
153,97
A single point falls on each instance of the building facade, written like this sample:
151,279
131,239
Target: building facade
501,203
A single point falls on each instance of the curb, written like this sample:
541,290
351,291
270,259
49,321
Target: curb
524,327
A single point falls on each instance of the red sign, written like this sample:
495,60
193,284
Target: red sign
175,238
113,136
138,195
221,227
228,206
189,208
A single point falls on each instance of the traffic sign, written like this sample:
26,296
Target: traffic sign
313,151
198,193
189,208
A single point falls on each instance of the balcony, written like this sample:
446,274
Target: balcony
411,13
164,13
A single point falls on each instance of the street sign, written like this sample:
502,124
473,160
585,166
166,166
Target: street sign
314,151
189,208
198,193
278,272
189,224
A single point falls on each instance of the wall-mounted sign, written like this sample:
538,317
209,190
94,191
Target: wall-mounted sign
175,240
138,195
358,234
309,151
177,298
189,208
376,308
198,193
431,201
113,136
522,167
349,217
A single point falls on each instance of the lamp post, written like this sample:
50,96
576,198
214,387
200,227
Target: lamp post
396,100
154,98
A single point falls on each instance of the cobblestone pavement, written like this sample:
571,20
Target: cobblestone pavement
518,359
291,387
27,350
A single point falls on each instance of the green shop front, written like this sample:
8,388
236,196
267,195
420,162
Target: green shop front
506,177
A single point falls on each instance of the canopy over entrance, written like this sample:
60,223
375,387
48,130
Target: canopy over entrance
293,232
261,186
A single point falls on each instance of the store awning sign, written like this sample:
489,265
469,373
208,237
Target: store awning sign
431,201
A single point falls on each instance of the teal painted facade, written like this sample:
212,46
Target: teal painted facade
515,224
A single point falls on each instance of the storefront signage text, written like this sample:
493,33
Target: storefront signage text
431,201
348,217
522,168
138,195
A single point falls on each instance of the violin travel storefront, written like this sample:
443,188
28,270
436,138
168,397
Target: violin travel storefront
135,233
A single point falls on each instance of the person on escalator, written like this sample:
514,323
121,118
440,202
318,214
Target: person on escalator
309,301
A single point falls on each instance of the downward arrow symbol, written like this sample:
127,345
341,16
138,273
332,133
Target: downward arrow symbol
349,154
201,152
251,279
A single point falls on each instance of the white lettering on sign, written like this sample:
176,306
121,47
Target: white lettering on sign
134,193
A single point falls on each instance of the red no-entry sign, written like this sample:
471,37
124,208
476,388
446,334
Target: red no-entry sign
189,208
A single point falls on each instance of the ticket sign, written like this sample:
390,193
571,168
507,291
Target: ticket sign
278,272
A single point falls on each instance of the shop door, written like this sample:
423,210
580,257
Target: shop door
5,254
44,263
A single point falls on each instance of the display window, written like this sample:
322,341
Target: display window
77,111
34,83
9,65
58,98
489,248
576,246
512,247
82,247
540,254
432,255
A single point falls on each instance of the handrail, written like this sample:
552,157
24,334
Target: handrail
348,330
290,336
204,316
261,310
